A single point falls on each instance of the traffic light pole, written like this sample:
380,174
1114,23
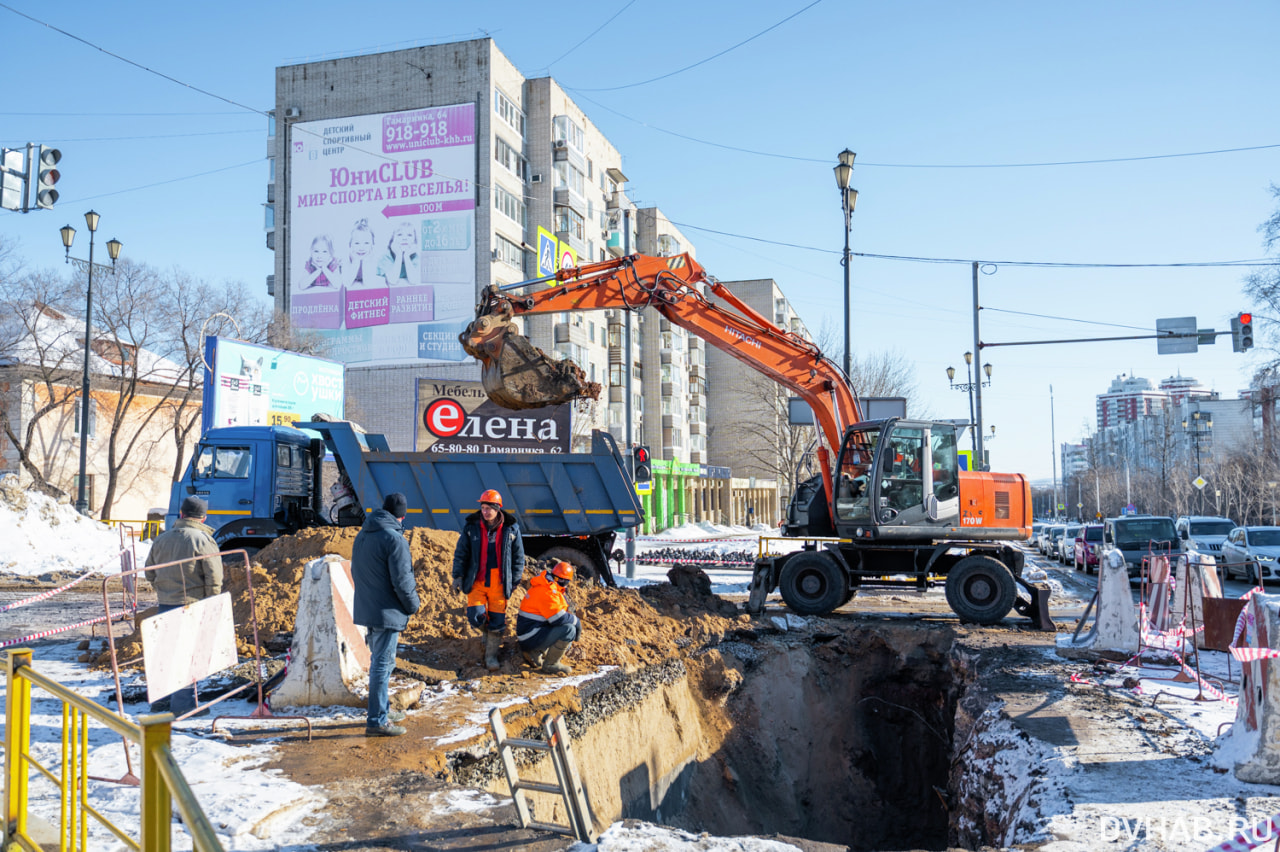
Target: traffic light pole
628,359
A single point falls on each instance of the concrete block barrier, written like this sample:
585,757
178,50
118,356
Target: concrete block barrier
1258,709
329,656
1116,620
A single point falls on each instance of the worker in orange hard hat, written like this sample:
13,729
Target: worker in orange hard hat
545,627
487,565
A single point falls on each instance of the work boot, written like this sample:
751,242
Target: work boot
551,662
387,730
492,642
532,660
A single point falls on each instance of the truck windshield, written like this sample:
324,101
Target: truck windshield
1212,527
223,463
1143,530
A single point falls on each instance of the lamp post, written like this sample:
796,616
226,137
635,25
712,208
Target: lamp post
969,387
1196,427
848,198
1272,486
113,249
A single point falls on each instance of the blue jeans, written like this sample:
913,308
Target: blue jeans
382,659
184,700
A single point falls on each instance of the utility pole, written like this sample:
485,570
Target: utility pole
981,461
1053,436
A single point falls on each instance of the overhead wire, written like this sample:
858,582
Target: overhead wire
707,59
592,34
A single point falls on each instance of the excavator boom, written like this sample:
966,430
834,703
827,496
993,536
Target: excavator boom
518,375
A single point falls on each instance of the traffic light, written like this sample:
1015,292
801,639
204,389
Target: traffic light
1242,332
641,470
47,176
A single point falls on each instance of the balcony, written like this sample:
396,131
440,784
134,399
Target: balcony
617,393
664,324
697,371
667,388
668,421
569,198
664,356
697,428
561,332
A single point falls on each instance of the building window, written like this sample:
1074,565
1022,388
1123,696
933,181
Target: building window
569,177
510,159
93,420
667,245
508,252
508,111
565,129
590,169
268,217
510,206
569,221
615,375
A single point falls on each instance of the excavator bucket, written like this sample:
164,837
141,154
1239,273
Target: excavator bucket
518,375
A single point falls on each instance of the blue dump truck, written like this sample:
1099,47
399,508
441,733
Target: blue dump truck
264,482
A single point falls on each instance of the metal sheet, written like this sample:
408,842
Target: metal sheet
182,646
1220,615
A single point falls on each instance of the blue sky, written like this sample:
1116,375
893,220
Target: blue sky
179,177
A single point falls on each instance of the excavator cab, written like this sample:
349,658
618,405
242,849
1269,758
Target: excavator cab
896,476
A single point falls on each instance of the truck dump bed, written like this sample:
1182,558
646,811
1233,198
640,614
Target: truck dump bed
551,494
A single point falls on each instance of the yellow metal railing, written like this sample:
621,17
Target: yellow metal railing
149,529
162,785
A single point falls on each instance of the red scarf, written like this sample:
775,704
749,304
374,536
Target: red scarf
484,548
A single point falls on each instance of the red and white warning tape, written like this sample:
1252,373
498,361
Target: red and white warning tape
1251,838
43,633
676,542
43,596
643,561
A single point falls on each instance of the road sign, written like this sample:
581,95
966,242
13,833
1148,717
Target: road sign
1062,507
1200,482
1182,338
1079,505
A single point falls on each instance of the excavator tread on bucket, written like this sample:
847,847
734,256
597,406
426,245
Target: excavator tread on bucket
515,373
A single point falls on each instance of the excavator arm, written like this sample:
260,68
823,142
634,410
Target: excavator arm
518,375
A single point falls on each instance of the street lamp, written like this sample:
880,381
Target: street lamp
1196,427
848,198
1128,494
1272,486
113,249
968,387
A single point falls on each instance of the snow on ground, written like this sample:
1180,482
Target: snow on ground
43,536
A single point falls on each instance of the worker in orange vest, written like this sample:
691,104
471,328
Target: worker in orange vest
545,628
487,564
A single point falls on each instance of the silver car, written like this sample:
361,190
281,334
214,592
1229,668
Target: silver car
1250,550
1067,544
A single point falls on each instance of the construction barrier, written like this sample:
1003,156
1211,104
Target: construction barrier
1115,625
1258,711
328,656
163,784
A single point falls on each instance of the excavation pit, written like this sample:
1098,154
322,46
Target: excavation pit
836,733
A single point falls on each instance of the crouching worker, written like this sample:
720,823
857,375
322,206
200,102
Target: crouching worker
487,565
545,627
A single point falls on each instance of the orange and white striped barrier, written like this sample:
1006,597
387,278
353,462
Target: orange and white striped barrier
328,657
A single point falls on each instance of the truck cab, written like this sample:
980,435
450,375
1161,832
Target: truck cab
260,483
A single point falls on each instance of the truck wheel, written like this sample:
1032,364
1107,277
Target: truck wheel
813,584
981,589
582,564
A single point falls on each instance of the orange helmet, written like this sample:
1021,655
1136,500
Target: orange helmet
491,496
563,570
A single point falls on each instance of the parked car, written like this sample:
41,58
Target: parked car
1067,544
1205,534
1037,527
1051,537
1246,546
1088,548
1139,536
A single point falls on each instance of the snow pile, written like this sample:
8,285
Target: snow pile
635,836
43,535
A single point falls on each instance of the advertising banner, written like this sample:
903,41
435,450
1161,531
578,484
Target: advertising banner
457,417
250,385
383,256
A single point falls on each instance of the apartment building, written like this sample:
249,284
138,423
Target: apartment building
404,182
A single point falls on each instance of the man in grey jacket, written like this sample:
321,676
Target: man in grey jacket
385,596
179,585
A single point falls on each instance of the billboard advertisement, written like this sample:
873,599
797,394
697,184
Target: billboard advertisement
250,385
457,417
382,258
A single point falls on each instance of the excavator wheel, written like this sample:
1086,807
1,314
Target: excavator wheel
813,584
981,589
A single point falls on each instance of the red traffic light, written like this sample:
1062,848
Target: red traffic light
1246,317
642,454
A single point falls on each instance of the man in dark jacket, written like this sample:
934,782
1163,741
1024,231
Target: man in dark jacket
185,583
487,565
385,596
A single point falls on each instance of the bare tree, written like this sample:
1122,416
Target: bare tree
1263,284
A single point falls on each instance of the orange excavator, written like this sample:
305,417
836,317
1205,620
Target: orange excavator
888,504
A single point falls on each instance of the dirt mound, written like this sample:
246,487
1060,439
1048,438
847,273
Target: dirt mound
621,627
